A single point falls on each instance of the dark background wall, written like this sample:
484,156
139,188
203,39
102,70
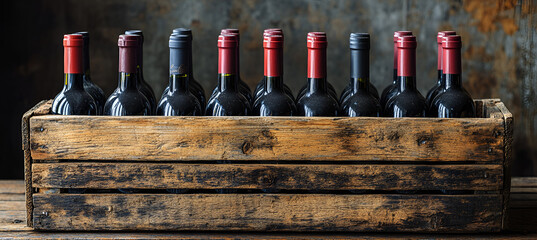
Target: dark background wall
498,53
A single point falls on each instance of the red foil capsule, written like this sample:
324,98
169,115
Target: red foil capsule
227,54
451,47
406,48
317,43
273,46
72,53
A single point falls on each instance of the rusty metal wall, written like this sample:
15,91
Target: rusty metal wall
498,54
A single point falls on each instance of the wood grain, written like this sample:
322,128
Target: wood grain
41,108
262,176
266,138
268,212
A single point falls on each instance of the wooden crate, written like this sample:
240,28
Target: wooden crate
323,173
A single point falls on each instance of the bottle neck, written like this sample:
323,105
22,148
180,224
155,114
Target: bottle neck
228,82
439,61
395,59
273,84
227,61
180,61
86,59
406,64
360,63
128,81
179,83
273,66
451,67
452,81
73,81
317,85
317,63
128,60
440,78
406,83
360,69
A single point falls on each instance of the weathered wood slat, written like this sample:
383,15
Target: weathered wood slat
270,212
261,176
41,108
266,138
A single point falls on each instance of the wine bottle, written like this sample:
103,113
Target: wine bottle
179,100
408,101
73,99
127,99
95,91
439,80
228,100
259,89
274,101
194,86
144,87
331,90
244,89
391,90
453,101
361,102
349,89
317,100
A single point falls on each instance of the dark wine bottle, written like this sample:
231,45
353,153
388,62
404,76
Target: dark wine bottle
331,90
228,100
127,99
244,89
144,87
349,89
274,101
179,100
408,101
194,86
439,81
73,99
452,101
391,90
360,102
95,91
317,100
259,89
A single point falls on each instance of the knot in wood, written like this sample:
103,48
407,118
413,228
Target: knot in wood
246,147
266,179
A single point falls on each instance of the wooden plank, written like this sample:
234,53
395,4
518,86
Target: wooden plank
522,182
261,176
268,212
11,186
14,220
160,138
522,212
12,197
508,140
12,205
41,108
254,235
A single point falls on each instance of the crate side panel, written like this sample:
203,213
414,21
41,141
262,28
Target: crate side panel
268,212
256,138
93,175
40,108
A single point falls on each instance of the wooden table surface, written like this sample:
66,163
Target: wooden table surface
522,222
